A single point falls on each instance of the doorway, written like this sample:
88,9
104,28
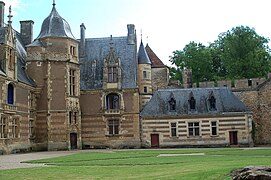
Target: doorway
233,138
155,140
73,139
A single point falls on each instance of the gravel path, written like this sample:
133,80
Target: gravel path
13,161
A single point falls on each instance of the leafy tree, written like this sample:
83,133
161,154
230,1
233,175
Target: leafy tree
195,56
237,53
242,53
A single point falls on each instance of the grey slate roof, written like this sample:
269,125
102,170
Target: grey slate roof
21,58
91,66
143,57
226,102
55,26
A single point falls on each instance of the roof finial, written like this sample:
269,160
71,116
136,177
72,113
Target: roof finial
141,34
9,16
111,42
54,3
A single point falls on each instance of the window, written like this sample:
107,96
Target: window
112,75
10,94
72,50
214,128
193,129
72,82
192,103
31,128
173,129
15,128
249,82
3,127
145,89
112,101
70,117
146,75
212,102
172,104
113,126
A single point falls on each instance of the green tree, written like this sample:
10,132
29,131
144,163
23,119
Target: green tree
242,53
195,56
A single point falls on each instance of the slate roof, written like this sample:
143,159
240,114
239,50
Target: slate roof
21,58
226,102
91,66
143,57
155,61
55,26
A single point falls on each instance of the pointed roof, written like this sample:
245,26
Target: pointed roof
143,57
155,61
55,26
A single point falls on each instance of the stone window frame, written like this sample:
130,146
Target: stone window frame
73,117
146,75
194,129
11,58
3,126
212,103
112,73
214,128
113,127
192,103
11,92
15,127
72,82
111,105
73,50
145,89
173,129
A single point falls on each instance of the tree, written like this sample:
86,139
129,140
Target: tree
195,56
242,53
237,53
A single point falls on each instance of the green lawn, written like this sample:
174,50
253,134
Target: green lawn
144,164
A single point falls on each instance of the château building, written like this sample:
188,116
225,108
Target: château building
60,93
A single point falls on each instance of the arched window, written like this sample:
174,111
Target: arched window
192,103
172,104
212,102
10,94
112,101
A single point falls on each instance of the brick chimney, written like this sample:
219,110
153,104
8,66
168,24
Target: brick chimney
82,40
27,31
2,14
131,34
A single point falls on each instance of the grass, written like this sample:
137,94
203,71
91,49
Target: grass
144,164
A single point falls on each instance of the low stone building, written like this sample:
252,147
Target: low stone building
208,117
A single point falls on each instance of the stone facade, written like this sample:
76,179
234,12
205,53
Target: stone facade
60,93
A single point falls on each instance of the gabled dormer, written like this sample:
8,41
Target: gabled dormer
172,103
112,71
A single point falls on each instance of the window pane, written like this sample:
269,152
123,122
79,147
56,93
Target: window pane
190,130
196,131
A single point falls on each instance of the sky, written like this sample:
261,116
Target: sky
166,25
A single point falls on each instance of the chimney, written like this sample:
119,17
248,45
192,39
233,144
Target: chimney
82,40
27,31
131,34
2,13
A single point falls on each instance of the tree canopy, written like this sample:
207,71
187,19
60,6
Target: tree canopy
237,53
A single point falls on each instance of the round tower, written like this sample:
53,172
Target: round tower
144,76
53,63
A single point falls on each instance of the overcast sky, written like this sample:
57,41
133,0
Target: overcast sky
168,24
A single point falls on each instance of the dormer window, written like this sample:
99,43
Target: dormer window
192,103
112,101
212,102
172,104
112,74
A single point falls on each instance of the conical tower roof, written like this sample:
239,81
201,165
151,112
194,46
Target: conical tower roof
55,26
143,57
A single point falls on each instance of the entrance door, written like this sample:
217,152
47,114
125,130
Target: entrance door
233,138
155,140
73,139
